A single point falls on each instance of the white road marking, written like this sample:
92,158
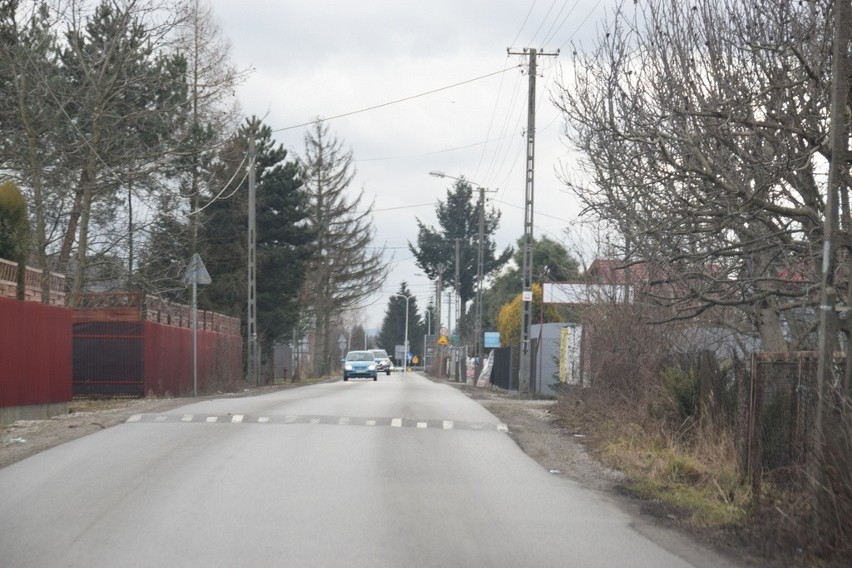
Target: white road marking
341,420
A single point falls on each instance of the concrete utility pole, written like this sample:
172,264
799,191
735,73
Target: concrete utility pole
477,344
527,294
252,374
405,341
457,295
828,449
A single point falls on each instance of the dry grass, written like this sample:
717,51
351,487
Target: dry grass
695,473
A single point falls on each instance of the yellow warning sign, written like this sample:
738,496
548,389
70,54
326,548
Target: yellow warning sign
443,340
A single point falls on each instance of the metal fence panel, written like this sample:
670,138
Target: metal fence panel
781,407
108,359
35,353
502,372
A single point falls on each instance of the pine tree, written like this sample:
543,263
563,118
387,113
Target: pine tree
392,332
458,218
284,238
347,269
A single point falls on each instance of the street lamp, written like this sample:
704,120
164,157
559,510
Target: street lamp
405,354
479,268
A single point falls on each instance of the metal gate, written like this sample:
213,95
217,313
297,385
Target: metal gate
108,359
502,372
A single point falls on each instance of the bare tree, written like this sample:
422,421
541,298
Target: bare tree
213,111
703,127
33,93
128,93
348,269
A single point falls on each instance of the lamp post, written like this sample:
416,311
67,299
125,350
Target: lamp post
405,341
479,268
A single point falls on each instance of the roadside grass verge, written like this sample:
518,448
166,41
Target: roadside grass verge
693,471
707,493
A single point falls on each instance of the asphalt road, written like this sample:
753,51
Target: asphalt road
399,472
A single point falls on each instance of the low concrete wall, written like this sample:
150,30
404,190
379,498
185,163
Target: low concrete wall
9,414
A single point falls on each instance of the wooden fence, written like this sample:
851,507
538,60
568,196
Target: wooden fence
32,280
135,306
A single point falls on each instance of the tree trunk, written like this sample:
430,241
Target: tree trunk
769,326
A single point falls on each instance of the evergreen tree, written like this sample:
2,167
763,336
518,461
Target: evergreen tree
284,238
392,332
14,230
33,92
458,218
346,270
551,263
127,101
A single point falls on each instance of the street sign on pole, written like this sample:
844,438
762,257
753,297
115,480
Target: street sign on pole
196,274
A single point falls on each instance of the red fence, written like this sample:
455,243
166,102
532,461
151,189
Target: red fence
168,360
49,355
35,353
134,359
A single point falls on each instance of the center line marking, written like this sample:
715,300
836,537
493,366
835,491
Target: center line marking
237,418
212,418
161,418
186,418
135,418
396,422
422,424
370,422
448,424
263,419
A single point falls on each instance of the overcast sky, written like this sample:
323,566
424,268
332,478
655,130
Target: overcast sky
323,58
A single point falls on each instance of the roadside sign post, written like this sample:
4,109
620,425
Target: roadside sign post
196,273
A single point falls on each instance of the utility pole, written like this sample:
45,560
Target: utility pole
251,310
829,445
527,294
477,344
456,297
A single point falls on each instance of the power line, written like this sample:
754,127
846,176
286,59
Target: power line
433,91
577,29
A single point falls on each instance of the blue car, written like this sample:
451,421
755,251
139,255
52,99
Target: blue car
360,364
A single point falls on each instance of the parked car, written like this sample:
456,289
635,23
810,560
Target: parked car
383,362
360,364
